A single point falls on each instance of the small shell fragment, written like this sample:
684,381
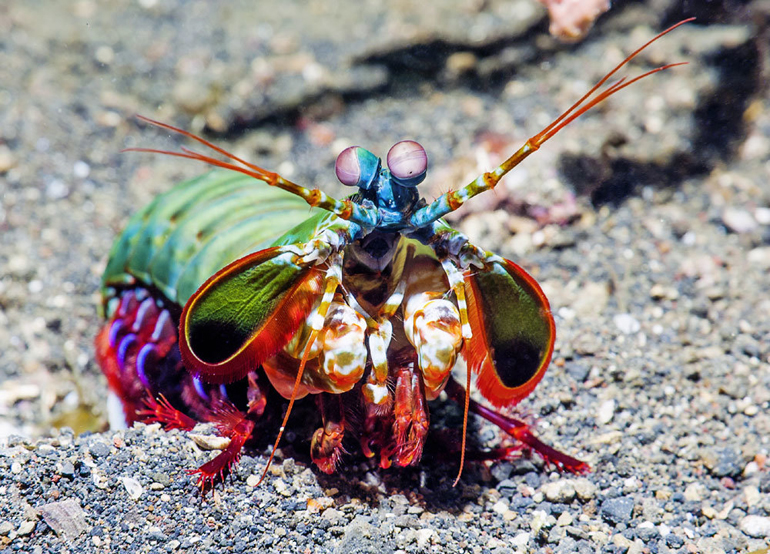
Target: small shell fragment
133,487
210,442
65,518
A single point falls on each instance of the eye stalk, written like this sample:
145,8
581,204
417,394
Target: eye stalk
408,163
357,167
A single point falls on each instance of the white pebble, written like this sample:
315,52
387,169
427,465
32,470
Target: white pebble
521,540
756,526
81,169
738,220
500,507
57,189
35,286
537,521
752,496
606,412
762,215
561,491
627,323
759,256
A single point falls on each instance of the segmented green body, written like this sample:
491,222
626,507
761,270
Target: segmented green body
189,233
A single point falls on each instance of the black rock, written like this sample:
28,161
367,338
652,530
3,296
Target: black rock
617,510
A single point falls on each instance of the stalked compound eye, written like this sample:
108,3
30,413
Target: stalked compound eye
357,167
408,163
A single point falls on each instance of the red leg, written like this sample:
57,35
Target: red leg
519,430
161,411
235,425
326,447
227,459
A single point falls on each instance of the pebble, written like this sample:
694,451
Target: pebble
561,491
728,463
209,442
500,507
647,531
738,220
5,528
521,540
606,412
333,515
622,542
584,489
501,471
7,159
762,216
66,469
755,526
45,450
752,496
57,189
133,487
191,95
15,391
617,510
81,169
26,528
507,488
538,521
424,537
626,323
65,517
760,256
99,449
694,492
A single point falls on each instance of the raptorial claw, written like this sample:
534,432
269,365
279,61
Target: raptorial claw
410,426
326,447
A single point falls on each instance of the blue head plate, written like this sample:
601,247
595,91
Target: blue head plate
392,190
